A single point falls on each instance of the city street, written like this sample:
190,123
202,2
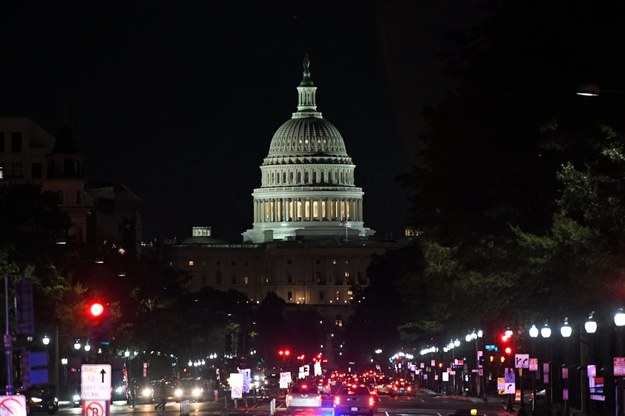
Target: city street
423,403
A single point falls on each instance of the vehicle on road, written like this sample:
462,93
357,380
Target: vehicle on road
355,400
302,396
402,387
41,398
190,389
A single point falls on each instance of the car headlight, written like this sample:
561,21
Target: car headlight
197,392
76,397
36,399
119,389
146,392
178,392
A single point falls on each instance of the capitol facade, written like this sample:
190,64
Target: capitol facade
308,243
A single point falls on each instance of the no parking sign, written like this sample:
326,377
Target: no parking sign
13,406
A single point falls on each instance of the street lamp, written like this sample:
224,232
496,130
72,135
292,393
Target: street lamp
619,317
590,325
533,331
46,340
545,331
566,329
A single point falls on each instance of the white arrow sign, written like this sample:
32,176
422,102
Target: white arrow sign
95,381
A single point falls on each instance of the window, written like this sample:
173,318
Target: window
36,170
204,279
346,279
234,280
78,197
1,142
289,296
218,278
289,278
246,280
321,295
289,261
16,142
16,170
1,170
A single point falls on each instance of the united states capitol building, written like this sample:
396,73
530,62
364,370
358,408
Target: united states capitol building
308,242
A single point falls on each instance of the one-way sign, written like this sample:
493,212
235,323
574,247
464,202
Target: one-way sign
95,382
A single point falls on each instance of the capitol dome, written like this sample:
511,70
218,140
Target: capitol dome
307,180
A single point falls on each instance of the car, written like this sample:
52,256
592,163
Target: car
76,400
355,400
41,398
402,388
189,389
302,396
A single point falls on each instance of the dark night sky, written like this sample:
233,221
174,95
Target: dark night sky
179,100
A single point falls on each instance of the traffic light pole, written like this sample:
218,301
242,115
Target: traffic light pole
8,343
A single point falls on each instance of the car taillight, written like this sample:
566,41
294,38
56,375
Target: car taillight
337,401
409,388
289,397
371,401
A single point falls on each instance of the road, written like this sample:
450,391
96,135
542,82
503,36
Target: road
423,403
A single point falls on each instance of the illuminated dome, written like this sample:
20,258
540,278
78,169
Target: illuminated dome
307,180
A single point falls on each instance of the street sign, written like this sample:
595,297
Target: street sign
508,375
236,385
510,388
619,366
521,361
95,382
533,364
13,405
94,408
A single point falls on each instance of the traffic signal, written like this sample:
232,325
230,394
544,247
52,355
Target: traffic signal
284,353
99,323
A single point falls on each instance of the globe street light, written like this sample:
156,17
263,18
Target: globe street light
619,317
566,329
590,325
545,331
533,331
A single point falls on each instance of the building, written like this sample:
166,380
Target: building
307,182
97,211
308,242
29,154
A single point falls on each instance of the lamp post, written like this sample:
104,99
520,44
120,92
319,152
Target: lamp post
619,321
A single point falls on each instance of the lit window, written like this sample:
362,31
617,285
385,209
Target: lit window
289,296
246,280
190,263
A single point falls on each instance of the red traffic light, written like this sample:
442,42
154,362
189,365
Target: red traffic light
96,309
